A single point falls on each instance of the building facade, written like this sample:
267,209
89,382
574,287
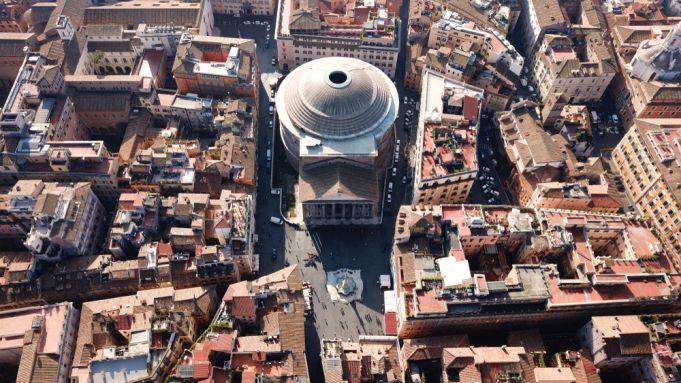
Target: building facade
307,33
647,159
446,140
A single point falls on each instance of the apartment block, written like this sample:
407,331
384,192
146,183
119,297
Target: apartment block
244,7
371,358
446,140
616,341
269,313
574,196
579,77
195,15
136,220
313,29
647,159
12,55
539,18
155,323
17,210
452,267
532,153
209,65
468,52
499,15
450,359
649,87
33,123
538,157
167,165
237,348
67,220
39,341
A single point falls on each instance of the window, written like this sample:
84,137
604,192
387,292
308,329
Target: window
453,374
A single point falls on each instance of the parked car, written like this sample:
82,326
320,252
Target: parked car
271,110
394,172
271,124
276,220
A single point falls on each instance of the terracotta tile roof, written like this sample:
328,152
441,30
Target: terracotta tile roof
531,340
201,369
244,307
390,323
553,374
419,348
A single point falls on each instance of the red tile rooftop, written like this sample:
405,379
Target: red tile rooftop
621,266
14,325
437,155
642,239
428,303
390,323
583,250
470,108
636,288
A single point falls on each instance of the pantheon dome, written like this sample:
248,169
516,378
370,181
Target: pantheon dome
336,105
336,118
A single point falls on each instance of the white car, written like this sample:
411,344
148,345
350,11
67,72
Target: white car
247,22
406,100
276,221
268,28
270,124
394,172
390,198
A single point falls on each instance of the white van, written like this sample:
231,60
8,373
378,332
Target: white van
276,221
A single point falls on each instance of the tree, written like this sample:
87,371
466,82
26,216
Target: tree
97,57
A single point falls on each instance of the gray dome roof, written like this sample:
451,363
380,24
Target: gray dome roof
338,98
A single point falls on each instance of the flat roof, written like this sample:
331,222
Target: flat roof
15,323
